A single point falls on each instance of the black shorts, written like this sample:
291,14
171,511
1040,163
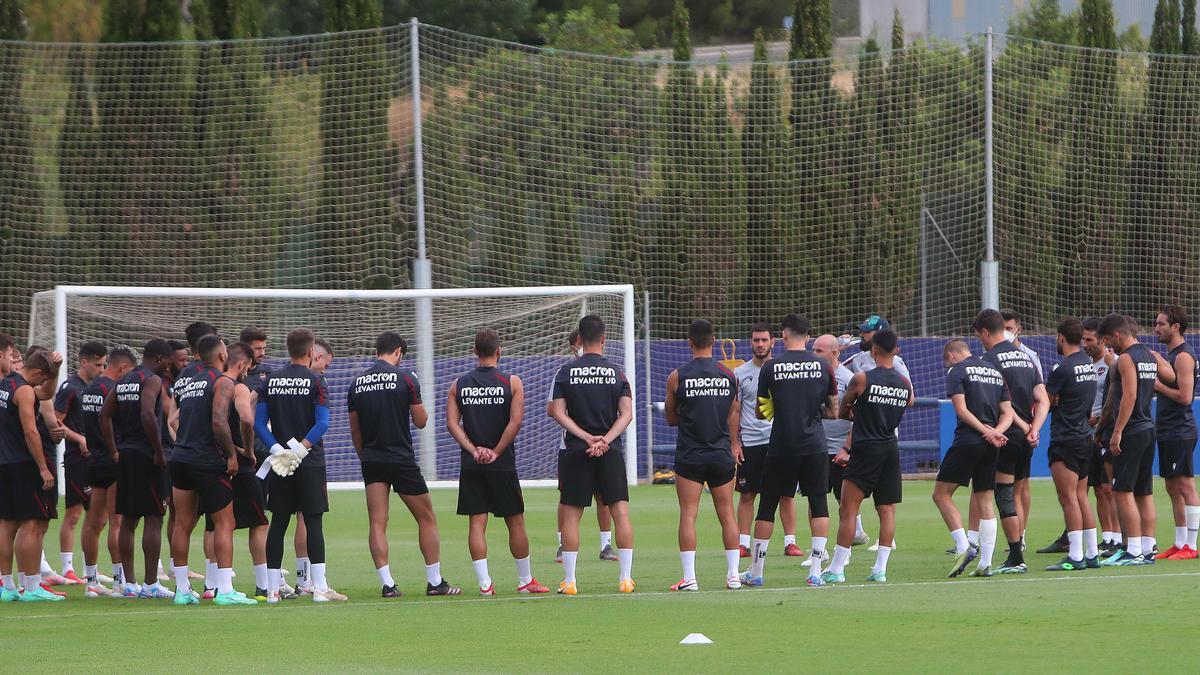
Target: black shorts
102,476
582,476
973,464
249,504
79,492
1098,470
212,485
784,473
404,479
141,486
1075,455
715,474
837,473
1016,457
875,469
302,492
1175,457
22,496
1133,469
750,473
494,492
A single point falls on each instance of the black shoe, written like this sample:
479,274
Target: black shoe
1060,545
443,588
393,592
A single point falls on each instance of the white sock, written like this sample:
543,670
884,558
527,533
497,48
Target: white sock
605,539
385,576
1108,536
569,558
1148,544
987,541
759,553
260,576
973,537
789,539
1181,534
303,569
559,538
274,579
8,581
524,571
46,568
688,559
316,571
90,572
163,570
1134,546
1091,550
744,540
1118,538
31,582
182,584
625,555
961,542
1192,514
118,574
841,556
68,562
818,546
881,558
732,556
1075,545
210,574
224,580
858,528
433,574
481,573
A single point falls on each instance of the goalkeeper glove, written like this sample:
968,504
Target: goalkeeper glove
278,449
281,463
298,449
766,406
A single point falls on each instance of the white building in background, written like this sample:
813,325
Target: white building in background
960,19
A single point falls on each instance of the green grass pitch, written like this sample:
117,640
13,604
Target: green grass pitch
918,621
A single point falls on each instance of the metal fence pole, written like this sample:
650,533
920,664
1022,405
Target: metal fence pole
989,285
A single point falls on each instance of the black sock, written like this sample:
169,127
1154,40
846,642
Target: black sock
1015,557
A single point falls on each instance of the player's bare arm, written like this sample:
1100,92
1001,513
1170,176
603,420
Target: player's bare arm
857,385
26,401
149,418
515,414
106,424
735,431
1185,381
1127,371
672,406
243,403
455,427
222,395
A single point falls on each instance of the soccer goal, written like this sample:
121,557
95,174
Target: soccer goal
533,324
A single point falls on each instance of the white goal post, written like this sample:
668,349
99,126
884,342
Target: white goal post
532,323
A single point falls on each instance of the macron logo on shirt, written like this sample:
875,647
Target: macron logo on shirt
797,370
707,386
289,386
482,395
375,382
592,375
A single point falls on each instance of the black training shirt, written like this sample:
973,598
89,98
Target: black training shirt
704,393
127,421
195,442
880,406
983,389
1147,372
66,401
592,388
485,403
798,383
1176,421
1020,374
1074,383
90,403
292,396
381,396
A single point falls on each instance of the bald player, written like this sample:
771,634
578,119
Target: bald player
837,431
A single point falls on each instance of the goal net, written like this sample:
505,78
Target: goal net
533,324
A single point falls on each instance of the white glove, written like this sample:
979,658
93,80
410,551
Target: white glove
298,449
281,463
278,449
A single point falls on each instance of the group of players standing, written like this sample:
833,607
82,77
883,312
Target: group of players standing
174,437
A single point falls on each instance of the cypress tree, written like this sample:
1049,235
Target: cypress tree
21,218
816,174
357,228
864,156
78,173
1158,214
669,261
771,241
1090,233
